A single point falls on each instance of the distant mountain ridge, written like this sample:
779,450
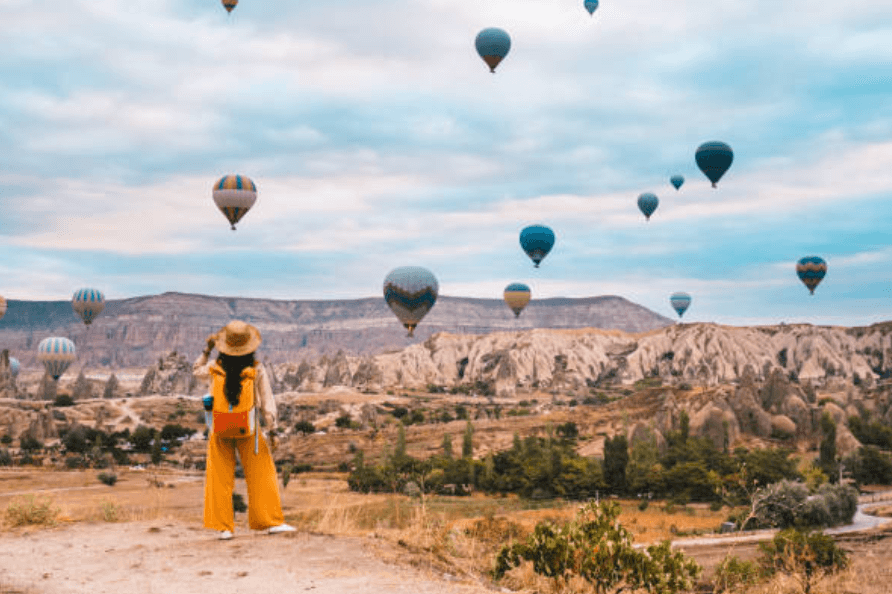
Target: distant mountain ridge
135,332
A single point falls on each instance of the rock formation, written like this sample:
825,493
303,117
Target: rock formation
171,375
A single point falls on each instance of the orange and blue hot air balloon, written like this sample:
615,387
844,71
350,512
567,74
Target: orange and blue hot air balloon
88,303
537,241
56,353
647,204
517,296
714,158
229,5
680,302
493,44
811,271
591,6
410,292
234,195
676,181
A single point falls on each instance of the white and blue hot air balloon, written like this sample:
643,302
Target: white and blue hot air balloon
680,302
14,367
88,303
410,292
56,353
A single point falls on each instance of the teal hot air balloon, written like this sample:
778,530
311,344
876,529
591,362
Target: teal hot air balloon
591,6
811,271
676,181
714,158
14,367
88,303
647,204
517,296
56,354
680,302
410,292
493,44
537,241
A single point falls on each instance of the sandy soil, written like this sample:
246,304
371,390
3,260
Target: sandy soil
175,557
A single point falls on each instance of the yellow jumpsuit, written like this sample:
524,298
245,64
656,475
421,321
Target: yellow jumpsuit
264,504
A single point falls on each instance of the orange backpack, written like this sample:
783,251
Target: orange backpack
229,421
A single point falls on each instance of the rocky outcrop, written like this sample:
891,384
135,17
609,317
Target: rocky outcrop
171,375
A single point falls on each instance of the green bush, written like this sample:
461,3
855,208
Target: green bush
108,478
32,511
6,439
305,427
807,556
63,400
29,443
238,503
5,457
734,574
598,549
343,421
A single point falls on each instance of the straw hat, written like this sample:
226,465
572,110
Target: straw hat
238,338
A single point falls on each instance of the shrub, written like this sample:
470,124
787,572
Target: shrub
305,427
32,511
75,462
807,556
29,443
6,439
108,478
111,511
286,475
598,549
63,400
734,574
141,439
343,421
5,458
75,440
238,503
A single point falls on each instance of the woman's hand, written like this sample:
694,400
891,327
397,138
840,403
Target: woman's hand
212,341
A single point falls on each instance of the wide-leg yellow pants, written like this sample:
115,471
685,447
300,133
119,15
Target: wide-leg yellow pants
264,505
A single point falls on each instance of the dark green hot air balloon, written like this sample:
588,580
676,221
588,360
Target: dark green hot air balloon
714,158
647,204
676,181
493,45
537,241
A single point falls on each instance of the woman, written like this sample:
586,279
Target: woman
238,386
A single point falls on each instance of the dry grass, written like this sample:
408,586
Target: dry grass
31,510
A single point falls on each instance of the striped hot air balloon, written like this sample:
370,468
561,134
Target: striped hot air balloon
2,306
517,296
88,303
234,195
410,292
680,302
811,271
229,5
56,354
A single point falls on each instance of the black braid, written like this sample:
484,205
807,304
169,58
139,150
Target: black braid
233,367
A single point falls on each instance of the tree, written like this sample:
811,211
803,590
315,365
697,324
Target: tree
807,556
399,452
447,446
467,445
598,549
29,443
616,458
827,451
141,438
156,450
75,440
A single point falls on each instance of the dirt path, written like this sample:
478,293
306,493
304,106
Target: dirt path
172,557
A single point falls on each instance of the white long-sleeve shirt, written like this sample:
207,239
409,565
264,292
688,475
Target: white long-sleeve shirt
266,401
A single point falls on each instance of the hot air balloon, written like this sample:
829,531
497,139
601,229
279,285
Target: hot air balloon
88,303
234,195
647,203
493,45
517,295
680,302
714,158
230,4
411,292
14,367
56,354
591,6
2,306
537,241
811,271
676,181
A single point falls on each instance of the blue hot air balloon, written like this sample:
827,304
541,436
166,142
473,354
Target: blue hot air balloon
537,241
493,45
88,303
410,292
676,181
811,271
680,302
648,203
714,158
56,354
591,6
517,295
14,367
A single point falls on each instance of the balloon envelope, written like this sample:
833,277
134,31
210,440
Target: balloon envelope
714,158
517,295
410,292
234,195
647,203
676,181
811,271
14,367
2,306
680,302
591,6
229,4
56,354
493,45
537,241
88,303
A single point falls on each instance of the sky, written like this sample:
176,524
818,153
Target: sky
378,138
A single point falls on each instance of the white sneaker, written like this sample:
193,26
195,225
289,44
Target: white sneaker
281,528
225,535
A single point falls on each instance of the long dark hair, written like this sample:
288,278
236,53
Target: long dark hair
233,367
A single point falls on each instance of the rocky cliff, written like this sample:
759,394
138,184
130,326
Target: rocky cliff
136,332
